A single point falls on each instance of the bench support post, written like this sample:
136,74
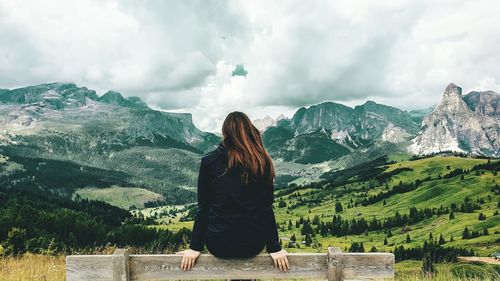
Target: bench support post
335,264
120,265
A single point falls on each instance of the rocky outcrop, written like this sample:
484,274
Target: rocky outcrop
467,124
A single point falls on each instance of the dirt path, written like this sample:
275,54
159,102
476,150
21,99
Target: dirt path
480,259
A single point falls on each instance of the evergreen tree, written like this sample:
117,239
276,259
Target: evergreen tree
466,233
385,241
408,239
338,207
441,240
451,238
452,215
430,236
428,264
482,217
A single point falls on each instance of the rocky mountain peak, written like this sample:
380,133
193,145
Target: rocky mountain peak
452,90
267,121
457,126
116,98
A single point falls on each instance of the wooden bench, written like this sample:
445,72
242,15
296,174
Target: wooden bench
333,265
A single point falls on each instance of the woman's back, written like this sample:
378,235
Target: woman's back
235,212
234,205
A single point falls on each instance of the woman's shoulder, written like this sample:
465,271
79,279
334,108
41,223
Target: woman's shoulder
213,155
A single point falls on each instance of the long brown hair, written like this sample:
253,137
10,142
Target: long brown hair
244,144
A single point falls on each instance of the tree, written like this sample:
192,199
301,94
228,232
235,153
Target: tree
430,236
452,215
338,207
385,241
428,264
441,240
408,239
308,240
357,247
451,238
15,241
281,203
482,217
466,233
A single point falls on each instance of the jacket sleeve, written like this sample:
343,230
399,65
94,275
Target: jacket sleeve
271,229
201,218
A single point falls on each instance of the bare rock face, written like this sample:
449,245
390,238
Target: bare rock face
266,122
458,126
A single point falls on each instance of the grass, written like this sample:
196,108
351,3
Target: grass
123,197
33,267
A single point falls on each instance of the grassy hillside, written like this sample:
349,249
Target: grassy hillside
433,187
123,197
169,172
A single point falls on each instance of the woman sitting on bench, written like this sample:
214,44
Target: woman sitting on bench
235,217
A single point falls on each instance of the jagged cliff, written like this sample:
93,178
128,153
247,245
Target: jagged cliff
468,124
330,130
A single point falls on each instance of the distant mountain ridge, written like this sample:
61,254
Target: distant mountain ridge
467,124
330,130
159,151
266,122
24,109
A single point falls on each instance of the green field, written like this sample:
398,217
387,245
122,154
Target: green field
123,197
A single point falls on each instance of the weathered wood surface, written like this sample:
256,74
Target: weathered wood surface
120,265
335,264
348,266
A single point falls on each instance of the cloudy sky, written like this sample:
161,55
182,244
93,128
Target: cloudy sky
180,55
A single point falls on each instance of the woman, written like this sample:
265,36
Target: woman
235,217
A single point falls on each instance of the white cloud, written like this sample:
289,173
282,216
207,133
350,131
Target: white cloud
178,55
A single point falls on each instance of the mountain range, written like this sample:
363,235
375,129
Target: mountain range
160,151
57,121
465,124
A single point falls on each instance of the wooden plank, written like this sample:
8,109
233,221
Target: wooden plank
368,265
120,265
89,267
166,267
335,264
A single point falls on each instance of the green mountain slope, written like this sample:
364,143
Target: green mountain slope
73,127
390,199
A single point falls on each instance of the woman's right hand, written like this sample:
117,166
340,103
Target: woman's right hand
280,260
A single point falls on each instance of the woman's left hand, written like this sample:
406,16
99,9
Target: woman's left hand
189,257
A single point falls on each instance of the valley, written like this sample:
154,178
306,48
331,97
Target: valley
367,178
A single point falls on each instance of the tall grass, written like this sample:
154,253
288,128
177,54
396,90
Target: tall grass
32,267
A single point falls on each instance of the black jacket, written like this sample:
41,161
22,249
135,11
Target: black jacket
227,208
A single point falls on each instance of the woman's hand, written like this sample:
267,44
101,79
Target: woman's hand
280,260
188,259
